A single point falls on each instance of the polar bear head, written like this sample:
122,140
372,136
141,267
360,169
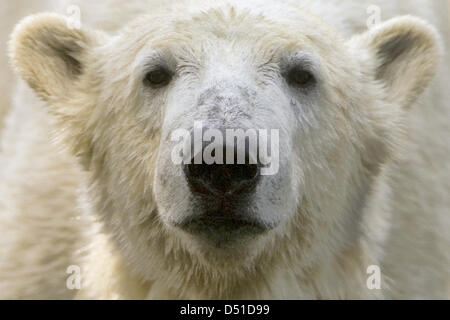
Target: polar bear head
326,112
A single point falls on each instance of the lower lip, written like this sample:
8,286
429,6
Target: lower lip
222,232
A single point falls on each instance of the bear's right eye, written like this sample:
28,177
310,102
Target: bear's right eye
158,78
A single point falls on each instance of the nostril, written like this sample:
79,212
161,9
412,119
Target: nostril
224,178
193,170
248,171
233,177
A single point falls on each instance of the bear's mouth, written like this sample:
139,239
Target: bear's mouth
222,229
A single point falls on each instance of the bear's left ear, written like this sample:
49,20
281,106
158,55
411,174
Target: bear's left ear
50,55
405,54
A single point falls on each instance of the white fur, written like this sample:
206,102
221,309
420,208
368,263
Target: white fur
367,167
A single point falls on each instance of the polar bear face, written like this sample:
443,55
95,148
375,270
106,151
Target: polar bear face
336,105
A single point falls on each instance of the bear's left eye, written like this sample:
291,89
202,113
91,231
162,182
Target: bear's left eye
158,78
300,77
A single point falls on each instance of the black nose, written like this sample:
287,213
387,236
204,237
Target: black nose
225,179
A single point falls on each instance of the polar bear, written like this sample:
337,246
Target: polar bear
359,206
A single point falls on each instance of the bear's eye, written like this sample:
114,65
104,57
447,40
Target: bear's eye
299,77
158,78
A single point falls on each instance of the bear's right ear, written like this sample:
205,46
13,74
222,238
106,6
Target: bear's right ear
50,55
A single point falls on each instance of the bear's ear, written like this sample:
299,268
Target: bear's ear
405,52
50,55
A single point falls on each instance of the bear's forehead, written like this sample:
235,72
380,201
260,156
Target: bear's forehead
229,30
222,35
230,23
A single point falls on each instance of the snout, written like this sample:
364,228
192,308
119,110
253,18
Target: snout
224,191
219,179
